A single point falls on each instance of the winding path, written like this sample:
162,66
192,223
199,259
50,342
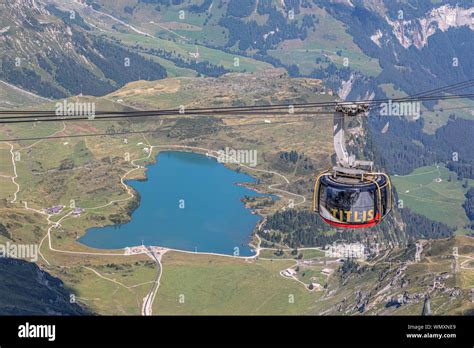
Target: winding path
150,297
13,178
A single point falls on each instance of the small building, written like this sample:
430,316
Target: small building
346,250
317,286
289,272
77,211
54,209
327,271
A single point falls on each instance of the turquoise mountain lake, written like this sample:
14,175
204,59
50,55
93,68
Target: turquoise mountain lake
214,219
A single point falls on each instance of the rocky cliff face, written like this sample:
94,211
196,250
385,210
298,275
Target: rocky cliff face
32,41
416,32
27,27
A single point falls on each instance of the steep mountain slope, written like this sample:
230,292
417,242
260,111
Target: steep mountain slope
48,48
50,52
418,49
27,290
307,36
296,34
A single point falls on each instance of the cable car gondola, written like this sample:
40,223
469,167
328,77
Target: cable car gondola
351,195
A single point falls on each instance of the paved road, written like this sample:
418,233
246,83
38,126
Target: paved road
147,308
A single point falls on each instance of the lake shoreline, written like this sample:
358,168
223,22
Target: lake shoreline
144,177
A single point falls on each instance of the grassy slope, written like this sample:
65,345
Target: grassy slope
145,20
221,285
14,97
328,38
439,115
183,48
439,201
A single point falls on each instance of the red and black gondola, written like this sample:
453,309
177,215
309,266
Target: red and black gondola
351,195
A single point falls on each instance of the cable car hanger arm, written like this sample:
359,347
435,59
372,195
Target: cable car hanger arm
347,162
